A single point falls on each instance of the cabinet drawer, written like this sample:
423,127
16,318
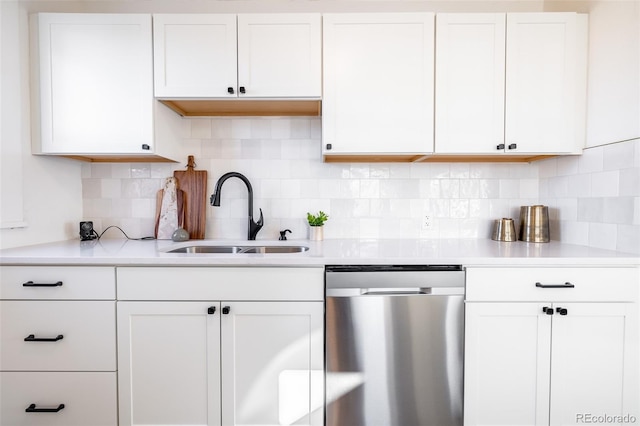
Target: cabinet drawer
253,283
88,398
537,284
57,282
87,328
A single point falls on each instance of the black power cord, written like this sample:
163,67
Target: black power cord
98,236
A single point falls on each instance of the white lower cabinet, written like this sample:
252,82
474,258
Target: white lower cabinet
545,359
213,362
57,346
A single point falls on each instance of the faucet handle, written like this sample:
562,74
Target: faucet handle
261,220
283,234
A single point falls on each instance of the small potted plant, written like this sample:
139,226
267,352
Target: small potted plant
316,222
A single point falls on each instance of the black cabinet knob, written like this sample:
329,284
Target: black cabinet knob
211,310
242,90
562,311
547,310
230,90
512,146
329,146
226,310
146,147
500,147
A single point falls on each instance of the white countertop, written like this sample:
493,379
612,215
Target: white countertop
468,252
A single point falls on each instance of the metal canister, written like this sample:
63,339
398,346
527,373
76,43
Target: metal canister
503,230
534,224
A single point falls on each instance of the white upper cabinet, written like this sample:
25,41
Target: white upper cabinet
194,55
546,75
470,75
378,84
510,83
279,55
94,86
229,56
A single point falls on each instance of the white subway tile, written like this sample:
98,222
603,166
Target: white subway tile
370,188
359,171
143,208
489,188
111,188
558,187
459,170
574,233
591,160
459,209
141,170
479,208
579,186
605,184
100,170
618,210
221,128
369,228
450,188
509,188
603,235
630,181
618,156
568,165
200,128
120,171
300,128
379,171
629,239
470,188
547,168
260,128
591,209
529,188
429,188
399,208
316,128
85,170
240,128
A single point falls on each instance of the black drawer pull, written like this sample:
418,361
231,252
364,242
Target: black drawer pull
211,310
33,338
32,409
226,310
565,285
547,310
32,284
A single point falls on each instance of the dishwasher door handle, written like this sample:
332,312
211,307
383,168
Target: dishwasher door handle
395,291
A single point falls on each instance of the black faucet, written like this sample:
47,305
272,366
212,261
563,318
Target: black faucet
215,201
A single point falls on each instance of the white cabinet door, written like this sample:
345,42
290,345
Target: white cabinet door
541,83
169,363
507,364
279,55
272,363
470,75
96,83
594,362
195,55
378,83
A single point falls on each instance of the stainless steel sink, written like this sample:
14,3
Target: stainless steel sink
240,249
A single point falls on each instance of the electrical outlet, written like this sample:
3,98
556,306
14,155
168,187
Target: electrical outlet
427,222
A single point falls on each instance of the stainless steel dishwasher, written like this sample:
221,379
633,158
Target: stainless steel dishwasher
394,345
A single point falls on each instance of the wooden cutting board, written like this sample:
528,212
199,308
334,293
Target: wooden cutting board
194,185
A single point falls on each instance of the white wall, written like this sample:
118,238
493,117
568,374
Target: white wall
50,187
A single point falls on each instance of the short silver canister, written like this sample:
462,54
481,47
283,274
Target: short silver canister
503,230
534,224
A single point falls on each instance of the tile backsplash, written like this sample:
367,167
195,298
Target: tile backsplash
282,159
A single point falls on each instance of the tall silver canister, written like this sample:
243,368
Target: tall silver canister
534,224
